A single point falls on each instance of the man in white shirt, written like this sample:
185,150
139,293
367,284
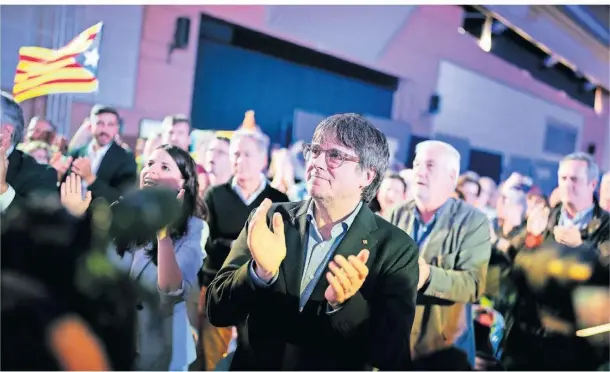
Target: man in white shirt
107,169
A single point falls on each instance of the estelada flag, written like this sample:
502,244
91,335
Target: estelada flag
71,69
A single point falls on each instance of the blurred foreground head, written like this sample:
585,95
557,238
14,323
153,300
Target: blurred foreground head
59,289
56,275
572,284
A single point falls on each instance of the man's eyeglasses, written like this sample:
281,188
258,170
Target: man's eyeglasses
334,157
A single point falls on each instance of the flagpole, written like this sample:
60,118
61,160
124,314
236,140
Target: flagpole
51,112
59,106
40,104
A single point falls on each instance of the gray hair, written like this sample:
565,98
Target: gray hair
12,115
260,139
592,168
358,134
451,153
36,119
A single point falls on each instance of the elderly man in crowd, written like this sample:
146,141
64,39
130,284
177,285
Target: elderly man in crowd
20,174
454,250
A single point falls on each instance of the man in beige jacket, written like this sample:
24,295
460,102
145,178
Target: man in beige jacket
454,244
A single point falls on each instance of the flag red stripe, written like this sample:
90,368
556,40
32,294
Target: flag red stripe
58,81
28,58
74,65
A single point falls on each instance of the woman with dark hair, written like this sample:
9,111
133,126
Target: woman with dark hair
168,262
176,255
392,192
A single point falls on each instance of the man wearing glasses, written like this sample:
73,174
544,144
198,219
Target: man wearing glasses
322,284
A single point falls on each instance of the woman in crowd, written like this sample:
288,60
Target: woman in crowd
168,262
392,192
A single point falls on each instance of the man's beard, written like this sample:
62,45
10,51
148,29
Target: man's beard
102,139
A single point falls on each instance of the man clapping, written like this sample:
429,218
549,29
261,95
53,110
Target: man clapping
330,286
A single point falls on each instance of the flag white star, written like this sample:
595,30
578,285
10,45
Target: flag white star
92,57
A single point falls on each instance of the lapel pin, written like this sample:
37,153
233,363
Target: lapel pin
365,242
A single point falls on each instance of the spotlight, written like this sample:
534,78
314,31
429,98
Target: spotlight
588,86
550,61
498,28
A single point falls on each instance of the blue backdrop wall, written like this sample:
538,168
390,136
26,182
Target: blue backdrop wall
229,81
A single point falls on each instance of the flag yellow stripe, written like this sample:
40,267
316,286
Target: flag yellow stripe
52,88
77,47
38,52
34,69
37,78
81,42
68,73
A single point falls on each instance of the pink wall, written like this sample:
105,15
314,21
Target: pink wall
418,59
162,88
429,36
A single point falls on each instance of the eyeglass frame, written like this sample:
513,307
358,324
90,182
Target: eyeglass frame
307,148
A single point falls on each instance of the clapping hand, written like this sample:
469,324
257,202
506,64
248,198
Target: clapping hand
538,220
72,195
82,167
569,236
346,277
60,164
268,248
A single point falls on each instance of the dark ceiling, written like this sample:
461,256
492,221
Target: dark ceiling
594,19
601,13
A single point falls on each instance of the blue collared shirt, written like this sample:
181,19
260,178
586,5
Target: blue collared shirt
580,220
422,230
318,253
255,194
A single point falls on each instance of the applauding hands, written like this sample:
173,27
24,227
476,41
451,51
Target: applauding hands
72,195
268,248
538,220
346,277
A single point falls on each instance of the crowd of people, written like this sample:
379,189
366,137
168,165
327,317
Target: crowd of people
312,257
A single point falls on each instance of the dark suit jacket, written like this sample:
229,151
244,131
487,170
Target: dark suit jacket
27,177
116,175
373,327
